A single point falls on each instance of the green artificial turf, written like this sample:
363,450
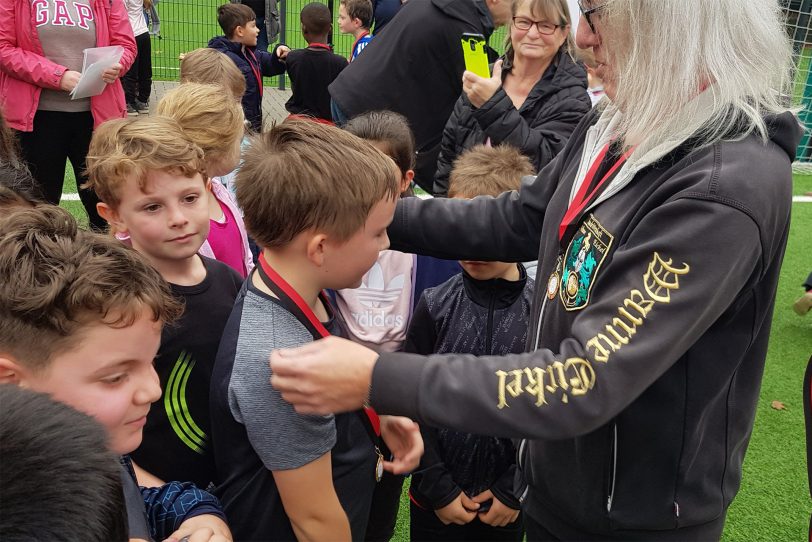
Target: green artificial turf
773,503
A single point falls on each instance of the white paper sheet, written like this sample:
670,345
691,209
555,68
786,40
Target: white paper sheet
97,59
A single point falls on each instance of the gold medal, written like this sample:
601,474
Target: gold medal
378,465
554,280
552,285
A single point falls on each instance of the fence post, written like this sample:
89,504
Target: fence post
283,17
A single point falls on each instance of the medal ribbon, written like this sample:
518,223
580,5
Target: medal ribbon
293,302
317,45
582,200
254,68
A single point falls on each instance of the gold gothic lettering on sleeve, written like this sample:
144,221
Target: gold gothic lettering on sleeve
660,278
575,376
514,388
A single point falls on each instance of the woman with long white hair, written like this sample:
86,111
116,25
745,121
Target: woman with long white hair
660,230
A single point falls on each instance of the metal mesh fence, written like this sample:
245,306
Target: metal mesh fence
798,27
189,24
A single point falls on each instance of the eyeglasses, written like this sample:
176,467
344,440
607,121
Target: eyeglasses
544,27
587,13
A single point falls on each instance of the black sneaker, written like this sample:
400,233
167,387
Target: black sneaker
131,110
141,106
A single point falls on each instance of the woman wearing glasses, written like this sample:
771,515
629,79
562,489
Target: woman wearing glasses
660,229
533,101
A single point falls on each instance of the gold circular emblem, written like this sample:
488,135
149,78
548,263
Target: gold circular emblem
572,284
552,285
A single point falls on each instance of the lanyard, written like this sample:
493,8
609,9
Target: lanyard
362,36
254,68
294,303
582,200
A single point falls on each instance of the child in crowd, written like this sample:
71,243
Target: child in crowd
318,200
149,177
213,121
62,453
378,312
354,17
594,83
80,319
212,67
313,68
464,488
137,82
239,43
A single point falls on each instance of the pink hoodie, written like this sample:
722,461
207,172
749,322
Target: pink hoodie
24,71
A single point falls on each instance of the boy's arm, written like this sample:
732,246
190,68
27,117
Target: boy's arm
271,63
146,479
170,506
311,502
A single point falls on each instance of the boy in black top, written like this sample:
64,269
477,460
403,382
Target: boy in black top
160,203
464,487
312,69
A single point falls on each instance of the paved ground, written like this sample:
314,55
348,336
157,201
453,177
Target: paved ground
273,100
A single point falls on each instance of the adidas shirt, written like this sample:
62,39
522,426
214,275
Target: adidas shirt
378,312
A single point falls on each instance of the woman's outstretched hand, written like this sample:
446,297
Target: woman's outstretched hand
327,376
479,89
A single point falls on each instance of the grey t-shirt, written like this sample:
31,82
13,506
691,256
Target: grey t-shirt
255,431
66,28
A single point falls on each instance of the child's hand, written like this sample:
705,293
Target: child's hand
402,437
203,528
181,56
282,52
460,511
499,514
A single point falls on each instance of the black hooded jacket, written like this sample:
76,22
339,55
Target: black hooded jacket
648,336
539,128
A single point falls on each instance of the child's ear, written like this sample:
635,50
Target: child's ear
357,22
406,180
316,248
111,216
10,371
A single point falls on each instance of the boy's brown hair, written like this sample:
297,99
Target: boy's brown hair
303,175
56,279
391,130
230,16
127,149
209,117
488,171
212,67
359,9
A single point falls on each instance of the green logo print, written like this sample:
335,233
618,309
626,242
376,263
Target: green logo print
176,408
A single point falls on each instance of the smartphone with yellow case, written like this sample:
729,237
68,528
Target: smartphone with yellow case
476,58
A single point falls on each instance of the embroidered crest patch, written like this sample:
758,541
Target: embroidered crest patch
582,260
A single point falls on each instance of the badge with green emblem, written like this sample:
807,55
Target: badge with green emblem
582,260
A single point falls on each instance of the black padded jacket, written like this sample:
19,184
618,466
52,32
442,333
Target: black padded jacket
539,128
